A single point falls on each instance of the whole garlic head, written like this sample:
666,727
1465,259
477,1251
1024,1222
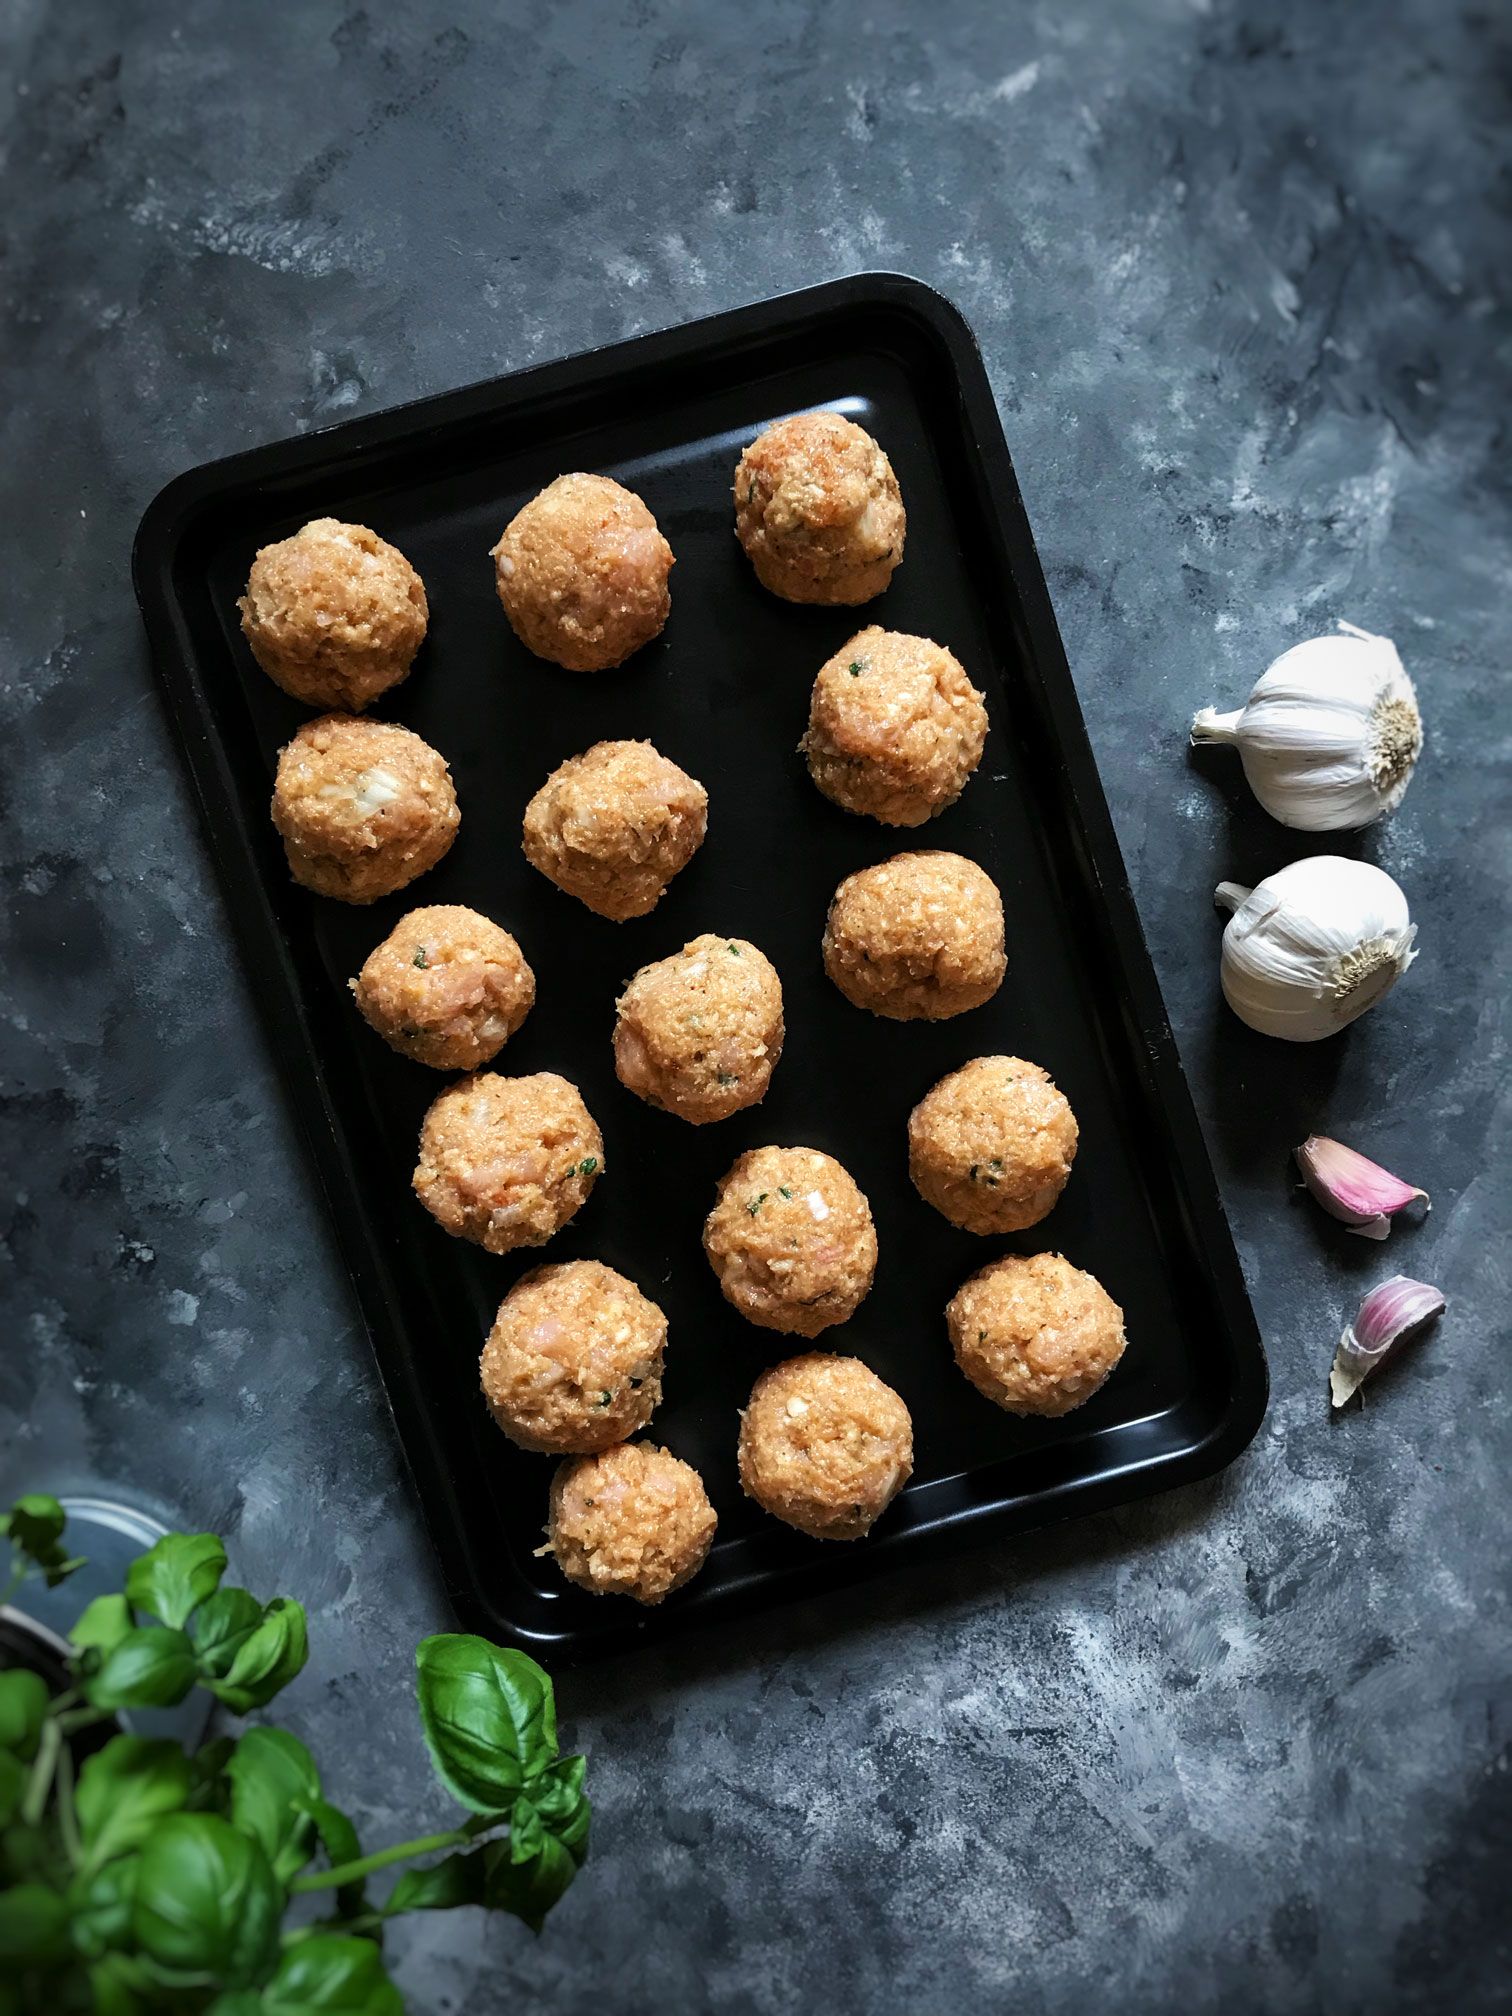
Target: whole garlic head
1330,733
1310,948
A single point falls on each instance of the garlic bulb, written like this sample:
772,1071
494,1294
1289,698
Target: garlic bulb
1330,733
1313,946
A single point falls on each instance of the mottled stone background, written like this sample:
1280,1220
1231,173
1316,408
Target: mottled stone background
1240,275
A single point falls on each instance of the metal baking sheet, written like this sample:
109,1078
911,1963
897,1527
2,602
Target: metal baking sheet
724,692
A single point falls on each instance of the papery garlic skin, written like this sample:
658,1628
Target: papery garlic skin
1389,1314
1350,1187
1310,948
1330,733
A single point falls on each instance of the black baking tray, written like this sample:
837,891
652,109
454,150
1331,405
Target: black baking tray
724,691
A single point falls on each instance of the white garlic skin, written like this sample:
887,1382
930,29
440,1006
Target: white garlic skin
1329,735
1310,948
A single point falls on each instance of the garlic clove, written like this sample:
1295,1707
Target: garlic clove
1352,1188
1389,1314
1330,732
1312,947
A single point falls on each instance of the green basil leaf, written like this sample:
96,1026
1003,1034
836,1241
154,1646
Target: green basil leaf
206,1900
23,1709
151,1667
113,1985
222,1625
209,1791
239,2002
343,1976
103,1624
489,1718
559,1791
13,1777
526,1834
572,1831
27,1855
101,1906
123,1792
269,1770
268,1660
459,1879
33,1926
174,1577
528,1889
338,1837
35,1522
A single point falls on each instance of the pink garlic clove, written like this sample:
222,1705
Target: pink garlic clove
1358,1192
1389,1314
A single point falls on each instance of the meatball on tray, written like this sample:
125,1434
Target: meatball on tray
721,691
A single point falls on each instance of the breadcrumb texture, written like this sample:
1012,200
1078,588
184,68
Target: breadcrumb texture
614,825
635,1521
791,1239
447,987
334,615
818,510
895,727
574,1360
363,807
699,1034
916,938
505,1162
825,1445
582,573
1036,1335
991,1146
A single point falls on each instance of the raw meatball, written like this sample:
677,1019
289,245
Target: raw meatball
574,1359
334,615
1037,1336
633,1522
919,937
992,1145
506,1162
825,1445
895,727
791,1239
699,1034
818,512
582,573
613,826
446,987
363,807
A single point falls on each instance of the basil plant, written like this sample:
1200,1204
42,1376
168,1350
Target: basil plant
148,1878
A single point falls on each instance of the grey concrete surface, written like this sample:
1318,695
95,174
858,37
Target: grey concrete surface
1239,272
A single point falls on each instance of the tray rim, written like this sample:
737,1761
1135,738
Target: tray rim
169,520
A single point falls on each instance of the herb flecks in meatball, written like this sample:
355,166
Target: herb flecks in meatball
791,1239
582,573
818,510
1036,1335
699,1034
363,807
334,615
634,1521
614,825
895,728
991,1146
447,988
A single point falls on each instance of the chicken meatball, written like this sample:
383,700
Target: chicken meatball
582,573
917,938
613,826
634,1521
1037,1336
574,1360
825,1445
699,1034
818,511
895,728
506,1162
791,1239
363,807
446,987
334,615
991,1146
